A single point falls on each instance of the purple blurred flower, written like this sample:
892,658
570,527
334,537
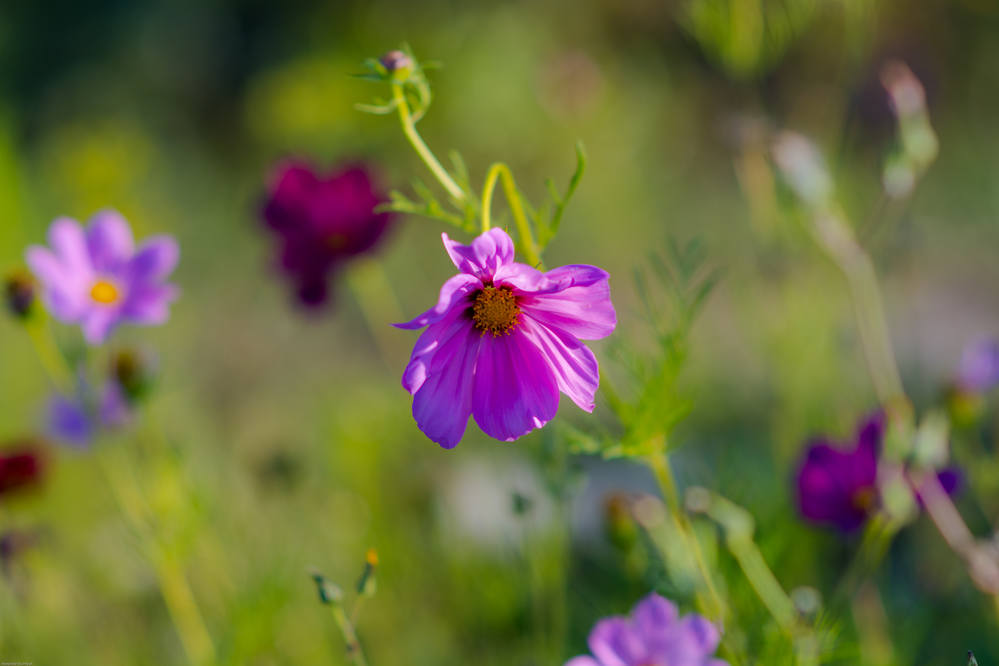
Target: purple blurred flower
979,368
503,340
838,487
321,222
98,279
76,420
654,635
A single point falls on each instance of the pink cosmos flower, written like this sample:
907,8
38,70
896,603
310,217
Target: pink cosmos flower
503,340
654,635
98,279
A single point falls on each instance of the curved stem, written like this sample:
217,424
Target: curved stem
500,170
415,140
354,650
659,463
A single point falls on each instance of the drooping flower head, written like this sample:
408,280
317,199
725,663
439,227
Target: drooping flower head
838,486
98,279
654,635
20,467
321,221
979,368
503,341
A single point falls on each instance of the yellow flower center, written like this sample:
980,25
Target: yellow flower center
104,292
495,310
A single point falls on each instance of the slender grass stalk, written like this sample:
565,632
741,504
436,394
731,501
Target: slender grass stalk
177,595
354,650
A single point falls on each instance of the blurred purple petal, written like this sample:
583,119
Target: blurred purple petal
979,368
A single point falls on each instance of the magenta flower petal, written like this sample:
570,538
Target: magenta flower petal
109,240
576,370
321,221
521,277
484,256
515,362
514,389
453,292
582,661
443,402
432,340
577,302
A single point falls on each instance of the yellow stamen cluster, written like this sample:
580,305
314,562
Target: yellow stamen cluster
104,292
495,310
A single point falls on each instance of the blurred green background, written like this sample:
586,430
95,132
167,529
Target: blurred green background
291,441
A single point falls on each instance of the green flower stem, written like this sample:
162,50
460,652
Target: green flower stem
354,650
874,544
176,591
834,235
500,170
415,140
51,358
738,526
659,463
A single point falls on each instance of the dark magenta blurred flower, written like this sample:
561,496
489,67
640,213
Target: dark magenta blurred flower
21,467
503,340
979,368
321,221
98,279
838,486
76,420
654,635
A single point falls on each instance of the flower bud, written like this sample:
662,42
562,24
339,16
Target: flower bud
20,291
367,585
619,524
329,593
133,371
398,64
801,165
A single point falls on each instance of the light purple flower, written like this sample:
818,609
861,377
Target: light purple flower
98,279
76,420
654,635
503,340
979,368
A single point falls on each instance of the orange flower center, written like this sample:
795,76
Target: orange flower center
495,310
104,292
